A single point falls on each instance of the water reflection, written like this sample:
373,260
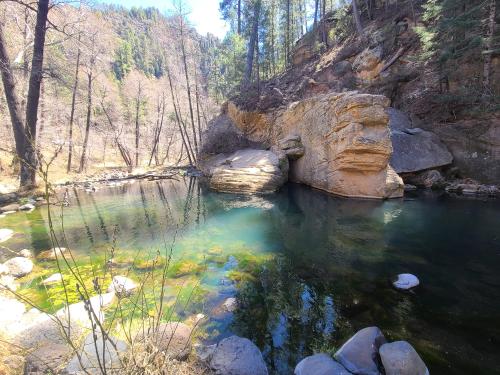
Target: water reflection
309,269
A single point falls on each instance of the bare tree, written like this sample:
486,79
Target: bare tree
357,18
488,48
25,136
73,102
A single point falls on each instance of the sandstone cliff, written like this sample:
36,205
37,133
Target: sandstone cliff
339,143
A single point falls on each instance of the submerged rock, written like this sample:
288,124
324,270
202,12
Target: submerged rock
5,234
237,356
406,281
97,352
230,304
359,353
54,279
19,266
27,207
247,171
52,254
400,358
320,364
122,286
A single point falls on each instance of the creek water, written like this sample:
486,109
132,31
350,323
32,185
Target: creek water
308,269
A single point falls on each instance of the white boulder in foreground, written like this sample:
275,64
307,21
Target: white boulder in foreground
399,358
19,266
320,364
406,281
237,356
95,353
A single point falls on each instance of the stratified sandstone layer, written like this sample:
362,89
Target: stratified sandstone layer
346,140
247,171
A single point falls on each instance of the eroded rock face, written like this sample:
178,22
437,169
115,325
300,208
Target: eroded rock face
345,137
414,149
247,171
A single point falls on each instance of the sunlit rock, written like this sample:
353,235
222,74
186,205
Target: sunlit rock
319,364
26,253
358,354
19,266
400,358
345,137
237,356
248,171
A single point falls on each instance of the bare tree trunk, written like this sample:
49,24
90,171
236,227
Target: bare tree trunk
188,86
87,124
252,43
72,114
9,85
158,129
29,167
184,142
197,94
357,18
488,46
137,130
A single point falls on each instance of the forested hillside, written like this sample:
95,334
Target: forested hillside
115,86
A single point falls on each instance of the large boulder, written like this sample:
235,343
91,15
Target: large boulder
19,266
237,356
414,149
97,353
319,364
359,353
400,358
46,336
247,171
173,338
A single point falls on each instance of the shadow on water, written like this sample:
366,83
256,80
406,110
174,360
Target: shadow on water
310,269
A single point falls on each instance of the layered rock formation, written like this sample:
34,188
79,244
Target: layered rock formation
247,171
344,138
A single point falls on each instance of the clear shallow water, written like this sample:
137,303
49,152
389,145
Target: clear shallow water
308,269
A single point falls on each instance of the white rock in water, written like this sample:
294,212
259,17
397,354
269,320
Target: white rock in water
55,278
122,286
406,281
230,304
19,266
5,234
27,207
